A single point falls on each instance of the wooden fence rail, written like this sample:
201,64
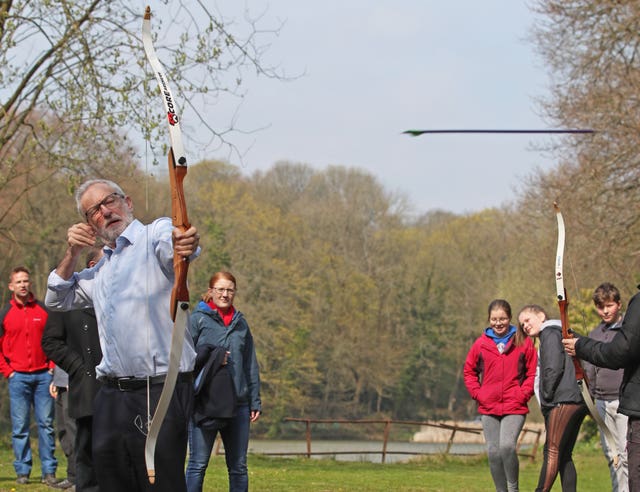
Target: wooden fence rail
455,429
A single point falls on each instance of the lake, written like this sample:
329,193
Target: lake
359,450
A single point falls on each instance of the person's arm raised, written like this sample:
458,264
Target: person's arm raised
79,237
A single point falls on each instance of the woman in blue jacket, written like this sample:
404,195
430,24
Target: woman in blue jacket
215,322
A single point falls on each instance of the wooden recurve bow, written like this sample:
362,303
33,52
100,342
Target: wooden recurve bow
179,306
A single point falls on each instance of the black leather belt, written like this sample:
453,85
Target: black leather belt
132,384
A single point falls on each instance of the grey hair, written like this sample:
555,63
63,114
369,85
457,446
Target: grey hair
82,189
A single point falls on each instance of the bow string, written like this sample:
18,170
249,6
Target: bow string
179,305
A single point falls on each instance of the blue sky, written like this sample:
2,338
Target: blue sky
374,68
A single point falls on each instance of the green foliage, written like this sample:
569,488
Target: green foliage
582,315
589,431
356,311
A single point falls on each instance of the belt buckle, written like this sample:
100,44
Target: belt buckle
123,380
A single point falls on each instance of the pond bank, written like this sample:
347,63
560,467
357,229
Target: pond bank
440,431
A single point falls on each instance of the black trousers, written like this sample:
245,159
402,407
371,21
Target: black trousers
86,480
119,434
633,453
66,427
562,424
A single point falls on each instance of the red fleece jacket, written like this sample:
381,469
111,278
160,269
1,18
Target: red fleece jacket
21,337
501,383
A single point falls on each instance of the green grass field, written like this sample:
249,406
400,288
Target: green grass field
434,473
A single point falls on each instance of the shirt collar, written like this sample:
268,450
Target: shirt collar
127,237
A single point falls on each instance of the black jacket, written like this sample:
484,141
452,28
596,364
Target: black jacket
621,352
557,373
215,393
70,339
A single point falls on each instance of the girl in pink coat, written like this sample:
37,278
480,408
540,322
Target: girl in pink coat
499,374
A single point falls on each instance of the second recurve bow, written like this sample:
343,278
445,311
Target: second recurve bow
563,304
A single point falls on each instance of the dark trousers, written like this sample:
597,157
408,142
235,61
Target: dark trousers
86,480
633,453
119,434
562,424
66,427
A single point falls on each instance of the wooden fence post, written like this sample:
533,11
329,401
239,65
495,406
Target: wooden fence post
308,438
387,425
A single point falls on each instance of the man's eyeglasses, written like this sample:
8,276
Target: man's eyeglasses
222,291
109,201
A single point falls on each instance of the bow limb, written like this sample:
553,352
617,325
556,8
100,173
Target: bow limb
179,306
561,291
563,304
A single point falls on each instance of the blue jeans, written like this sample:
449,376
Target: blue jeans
27,389
235,437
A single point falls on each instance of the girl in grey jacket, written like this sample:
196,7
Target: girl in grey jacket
560,399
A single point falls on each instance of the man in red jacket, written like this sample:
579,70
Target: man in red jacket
25,365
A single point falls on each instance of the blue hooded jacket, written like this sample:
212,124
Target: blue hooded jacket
207,327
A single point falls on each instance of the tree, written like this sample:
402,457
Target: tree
74,80
593,51
38,207
77,95
460,265
353,251
248,235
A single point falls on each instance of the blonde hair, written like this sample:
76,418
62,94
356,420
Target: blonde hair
531,308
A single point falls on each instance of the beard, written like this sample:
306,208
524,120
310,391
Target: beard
110,234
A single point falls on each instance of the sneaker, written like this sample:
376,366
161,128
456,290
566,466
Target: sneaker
63,484
50,479
23,479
